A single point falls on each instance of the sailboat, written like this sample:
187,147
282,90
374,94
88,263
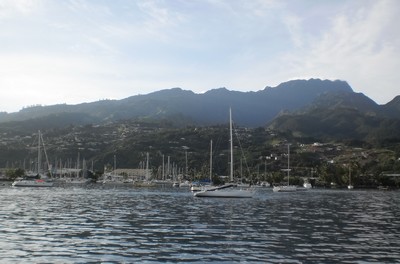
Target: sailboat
199,187
146,182
288,187
350,186
227,190
185,183
112,177
35,179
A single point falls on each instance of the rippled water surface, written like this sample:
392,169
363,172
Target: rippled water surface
126,225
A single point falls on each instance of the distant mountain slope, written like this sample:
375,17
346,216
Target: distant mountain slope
48,122
392,108
249,108
339,116
345,99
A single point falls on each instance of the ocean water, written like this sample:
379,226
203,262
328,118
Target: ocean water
100,224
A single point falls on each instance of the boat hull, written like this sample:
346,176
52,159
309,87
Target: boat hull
224,194
144,184
290,188
200,188
32,183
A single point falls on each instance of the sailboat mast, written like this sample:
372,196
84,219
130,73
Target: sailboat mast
350,174
231,143
115,164
147,167
288,163
39,156
163,168
186,163
211,146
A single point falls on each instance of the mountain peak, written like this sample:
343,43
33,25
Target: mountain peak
316,84
345,99
171,91
220,90
395,102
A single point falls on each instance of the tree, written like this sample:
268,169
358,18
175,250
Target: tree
12,174
277,177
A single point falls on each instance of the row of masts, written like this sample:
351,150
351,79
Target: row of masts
69,169
78,168
168,170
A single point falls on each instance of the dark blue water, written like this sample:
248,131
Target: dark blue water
127,225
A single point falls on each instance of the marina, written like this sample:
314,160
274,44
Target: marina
123,224
199,132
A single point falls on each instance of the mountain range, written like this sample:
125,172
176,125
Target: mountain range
315,108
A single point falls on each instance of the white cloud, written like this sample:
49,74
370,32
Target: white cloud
9,8
293,23
356,48
85,49
44,79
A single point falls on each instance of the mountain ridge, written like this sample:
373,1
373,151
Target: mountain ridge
250,109
341,116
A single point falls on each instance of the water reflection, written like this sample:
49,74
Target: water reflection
70,225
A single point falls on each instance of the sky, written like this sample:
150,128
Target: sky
76,51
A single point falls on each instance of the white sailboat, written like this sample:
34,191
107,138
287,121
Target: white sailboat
146,182
227,190
307,184
288,187
350,186
198,187
185,183
112,177
36,179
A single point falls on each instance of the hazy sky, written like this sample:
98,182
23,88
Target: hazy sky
55,51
